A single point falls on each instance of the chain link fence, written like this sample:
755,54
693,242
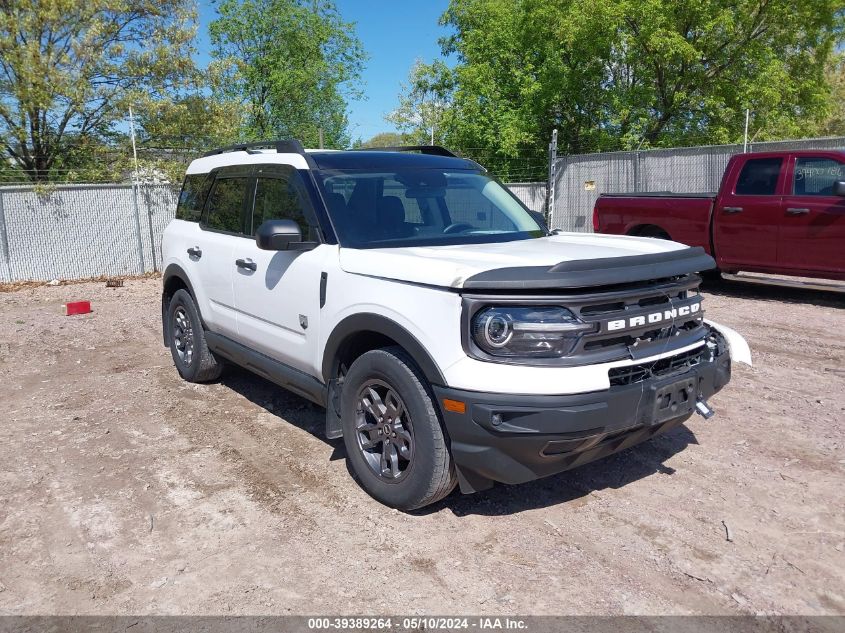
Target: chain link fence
80,231
83,231
532,194
580,179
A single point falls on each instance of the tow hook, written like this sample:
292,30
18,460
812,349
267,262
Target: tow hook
704,410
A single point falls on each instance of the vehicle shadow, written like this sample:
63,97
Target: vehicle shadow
613,472
765,292
280,402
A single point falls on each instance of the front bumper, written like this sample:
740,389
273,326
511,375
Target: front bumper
517,438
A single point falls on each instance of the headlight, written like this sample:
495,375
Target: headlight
526,331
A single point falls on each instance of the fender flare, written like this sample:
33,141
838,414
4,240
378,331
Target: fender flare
173,270
371,322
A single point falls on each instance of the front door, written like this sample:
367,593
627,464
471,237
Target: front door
277,295
812,237
746,216
221,228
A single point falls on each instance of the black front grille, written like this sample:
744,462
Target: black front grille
630,305
655,369
638,300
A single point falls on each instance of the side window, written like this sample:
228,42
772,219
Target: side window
192,197
225,203
816,176
759,177
281,196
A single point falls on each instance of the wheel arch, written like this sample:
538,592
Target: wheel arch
360,333
174,278
649,230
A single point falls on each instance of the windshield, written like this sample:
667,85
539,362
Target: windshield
422,207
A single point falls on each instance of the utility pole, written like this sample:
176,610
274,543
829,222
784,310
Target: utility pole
321,137
550,188
135,198
745,142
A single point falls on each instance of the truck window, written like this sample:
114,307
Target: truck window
225,203
280,197
816,176
192,197
759,177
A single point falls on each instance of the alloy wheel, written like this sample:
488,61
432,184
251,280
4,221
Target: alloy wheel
384,432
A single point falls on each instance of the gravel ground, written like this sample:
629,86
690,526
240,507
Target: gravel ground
125,490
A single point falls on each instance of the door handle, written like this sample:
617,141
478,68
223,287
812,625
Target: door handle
795,211
195,251
247,264
732,209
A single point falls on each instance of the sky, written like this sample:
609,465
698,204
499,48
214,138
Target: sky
393,32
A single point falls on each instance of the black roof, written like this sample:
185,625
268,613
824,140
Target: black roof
371,159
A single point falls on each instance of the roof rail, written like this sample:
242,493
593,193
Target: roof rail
435,150
282,146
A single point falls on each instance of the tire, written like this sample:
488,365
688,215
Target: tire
193,360
412,467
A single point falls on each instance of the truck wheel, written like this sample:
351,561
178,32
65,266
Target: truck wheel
394,441
191,355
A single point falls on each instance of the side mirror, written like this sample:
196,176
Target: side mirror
281,235
839,188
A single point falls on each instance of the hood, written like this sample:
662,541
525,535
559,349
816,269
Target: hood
451,266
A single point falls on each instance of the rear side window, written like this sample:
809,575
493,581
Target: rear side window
759,177
192,198
816,176
225,205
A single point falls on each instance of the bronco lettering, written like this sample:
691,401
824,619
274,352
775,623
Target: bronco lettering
653,317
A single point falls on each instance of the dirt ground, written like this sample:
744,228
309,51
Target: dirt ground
124,490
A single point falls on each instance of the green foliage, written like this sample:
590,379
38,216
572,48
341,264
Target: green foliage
191,119
622,74
833,123
383,139
292,64
423,102
70,69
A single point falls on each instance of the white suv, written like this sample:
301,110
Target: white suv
452,339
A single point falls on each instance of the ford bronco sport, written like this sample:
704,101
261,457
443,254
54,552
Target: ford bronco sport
452,338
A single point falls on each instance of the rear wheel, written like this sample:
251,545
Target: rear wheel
394,441
193,360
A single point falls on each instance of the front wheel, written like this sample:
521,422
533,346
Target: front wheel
394,441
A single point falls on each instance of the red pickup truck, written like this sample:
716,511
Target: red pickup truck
776,212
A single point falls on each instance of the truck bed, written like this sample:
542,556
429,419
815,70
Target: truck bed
683,217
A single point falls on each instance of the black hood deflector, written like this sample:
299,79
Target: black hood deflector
589,273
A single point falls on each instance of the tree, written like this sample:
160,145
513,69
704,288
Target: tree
834,123
622,74
69,69
383,139
294,63
195,118
424,101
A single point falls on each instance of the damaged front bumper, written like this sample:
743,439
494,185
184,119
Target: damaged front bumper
517,438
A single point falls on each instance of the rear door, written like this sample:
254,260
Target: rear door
221,228
277,293
812,237
749,212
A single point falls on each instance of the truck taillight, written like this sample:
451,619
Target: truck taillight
595,219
